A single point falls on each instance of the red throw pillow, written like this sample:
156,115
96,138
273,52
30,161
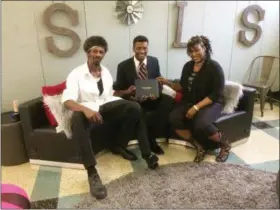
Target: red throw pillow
51,91
178,97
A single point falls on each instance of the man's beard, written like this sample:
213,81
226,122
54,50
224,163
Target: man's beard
94,64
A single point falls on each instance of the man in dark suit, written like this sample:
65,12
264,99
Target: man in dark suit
142,66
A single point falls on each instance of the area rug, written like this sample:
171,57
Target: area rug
190,185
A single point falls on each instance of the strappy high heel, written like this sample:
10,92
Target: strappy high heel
200,152
225,148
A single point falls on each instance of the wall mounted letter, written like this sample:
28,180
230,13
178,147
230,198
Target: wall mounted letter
260,12
178,44
73,14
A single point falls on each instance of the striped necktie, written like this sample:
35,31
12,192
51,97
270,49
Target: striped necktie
142,71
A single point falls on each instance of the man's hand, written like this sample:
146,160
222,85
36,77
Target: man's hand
152,97
130,90
93,116
190,113
162,80
139,99
133,98
143,98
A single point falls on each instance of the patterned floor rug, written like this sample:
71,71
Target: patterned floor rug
190,185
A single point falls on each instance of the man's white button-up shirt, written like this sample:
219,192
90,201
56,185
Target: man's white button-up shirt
81,87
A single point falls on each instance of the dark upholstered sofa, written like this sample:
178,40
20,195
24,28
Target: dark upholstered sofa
44,143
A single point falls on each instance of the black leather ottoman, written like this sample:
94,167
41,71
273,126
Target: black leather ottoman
13,150
277,186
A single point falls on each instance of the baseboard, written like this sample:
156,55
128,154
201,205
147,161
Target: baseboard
56,164
180,142
132,142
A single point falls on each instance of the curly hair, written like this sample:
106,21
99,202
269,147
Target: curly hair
95,41
202,40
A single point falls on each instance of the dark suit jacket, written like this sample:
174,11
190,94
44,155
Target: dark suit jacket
126,72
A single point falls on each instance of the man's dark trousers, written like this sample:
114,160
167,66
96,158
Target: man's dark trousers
119,117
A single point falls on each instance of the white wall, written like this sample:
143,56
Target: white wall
27,65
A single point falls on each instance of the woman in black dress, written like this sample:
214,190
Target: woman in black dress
202,84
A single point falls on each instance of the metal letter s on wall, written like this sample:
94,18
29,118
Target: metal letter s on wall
73,14
244,18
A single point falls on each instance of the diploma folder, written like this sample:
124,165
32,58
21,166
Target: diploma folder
147,87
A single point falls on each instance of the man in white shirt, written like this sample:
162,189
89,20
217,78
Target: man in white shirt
89,93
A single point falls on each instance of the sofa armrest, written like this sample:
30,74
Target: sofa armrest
32,115
246,103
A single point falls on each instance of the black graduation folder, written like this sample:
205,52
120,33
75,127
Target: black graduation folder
147,87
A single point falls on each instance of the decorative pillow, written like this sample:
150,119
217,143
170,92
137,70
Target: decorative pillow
51,91
61,114
168,91
172,93
232,93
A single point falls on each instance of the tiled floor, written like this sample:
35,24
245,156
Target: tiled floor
63,187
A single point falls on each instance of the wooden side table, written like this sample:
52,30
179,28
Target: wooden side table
13,150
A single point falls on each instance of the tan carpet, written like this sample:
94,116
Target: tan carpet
190,185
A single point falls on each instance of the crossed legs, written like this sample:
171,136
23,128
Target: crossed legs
200,131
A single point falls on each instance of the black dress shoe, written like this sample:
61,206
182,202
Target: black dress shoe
126,154
152,161
157,149
97,189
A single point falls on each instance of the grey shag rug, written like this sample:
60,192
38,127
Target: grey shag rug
190,185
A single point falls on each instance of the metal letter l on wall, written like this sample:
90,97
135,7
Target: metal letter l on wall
178,44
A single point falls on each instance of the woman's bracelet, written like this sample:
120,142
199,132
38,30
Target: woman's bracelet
196,108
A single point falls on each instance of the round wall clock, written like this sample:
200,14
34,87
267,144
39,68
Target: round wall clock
129,12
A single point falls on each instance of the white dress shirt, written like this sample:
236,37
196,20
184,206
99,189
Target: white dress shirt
82,87
137,66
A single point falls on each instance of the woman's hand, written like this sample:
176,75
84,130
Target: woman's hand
190,113
162,80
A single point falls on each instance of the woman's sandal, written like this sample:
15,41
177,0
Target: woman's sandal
200,152
225,150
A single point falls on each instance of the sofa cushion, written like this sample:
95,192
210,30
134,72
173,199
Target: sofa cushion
225,117
52,91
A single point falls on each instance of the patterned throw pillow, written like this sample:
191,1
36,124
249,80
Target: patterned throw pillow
52,91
